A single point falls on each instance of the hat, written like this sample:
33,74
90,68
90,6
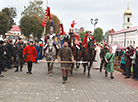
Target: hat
20,38
1,42
128,48
31,41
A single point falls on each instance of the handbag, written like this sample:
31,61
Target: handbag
108,61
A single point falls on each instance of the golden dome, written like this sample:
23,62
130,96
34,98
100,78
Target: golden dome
128,12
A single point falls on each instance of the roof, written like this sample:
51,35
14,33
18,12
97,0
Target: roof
125,30
128,11
15,28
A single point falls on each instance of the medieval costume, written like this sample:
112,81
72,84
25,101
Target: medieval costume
65,54
110,57
38,51
31,56
19,54
97,62
102,55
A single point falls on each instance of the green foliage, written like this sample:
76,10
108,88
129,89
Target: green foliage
106,35
25,25
82,35
4,23
7,16
35,8
98,34
31,25
36,27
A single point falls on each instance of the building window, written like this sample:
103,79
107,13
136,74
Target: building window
133,43
130,42
128,27
128,19
127,43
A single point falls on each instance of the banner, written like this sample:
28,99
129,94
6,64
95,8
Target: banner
46,14
61,29
73,23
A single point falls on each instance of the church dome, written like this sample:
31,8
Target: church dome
128,11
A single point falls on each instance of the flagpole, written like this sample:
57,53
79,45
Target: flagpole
45,23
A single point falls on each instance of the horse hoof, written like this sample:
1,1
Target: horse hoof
50,74
89,76
84,73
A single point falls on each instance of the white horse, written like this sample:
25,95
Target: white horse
50,54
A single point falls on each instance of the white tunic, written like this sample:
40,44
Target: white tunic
97,58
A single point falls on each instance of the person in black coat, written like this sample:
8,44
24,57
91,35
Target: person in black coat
9,54
1,57
102,55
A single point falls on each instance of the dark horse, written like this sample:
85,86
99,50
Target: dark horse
75,51
89,57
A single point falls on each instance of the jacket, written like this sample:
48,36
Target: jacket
31,53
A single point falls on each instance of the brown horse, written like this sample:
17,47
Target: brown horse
89,57
75,51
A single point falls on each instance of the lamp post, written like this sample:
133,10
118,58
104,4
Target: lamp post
94,22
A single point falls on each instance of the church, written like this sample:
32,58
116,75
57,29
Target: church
126,37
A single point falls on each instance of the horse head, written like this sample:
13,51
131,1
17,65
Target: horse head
91,44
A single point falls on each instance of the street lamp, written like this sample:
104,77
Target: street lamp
94,22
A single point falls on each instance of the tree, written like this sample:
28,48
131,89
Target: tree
36,27
25,25
82,35
35,8
7,16
4,23
11,13
106,35
98,34
31,25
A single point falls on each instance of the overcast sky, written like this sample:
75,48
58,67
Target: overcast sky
109,12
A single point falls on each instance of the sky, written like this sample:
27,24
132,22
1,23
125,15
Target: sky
109,12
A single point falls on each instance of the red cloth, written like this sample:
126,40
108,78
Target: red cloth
31,53
85,43
76,39
73,23
47,14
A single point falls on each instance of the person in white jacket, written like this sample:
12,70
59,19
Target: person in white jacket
97,62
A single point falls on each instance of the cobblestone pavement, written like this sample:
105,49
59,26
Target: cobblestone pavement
40,87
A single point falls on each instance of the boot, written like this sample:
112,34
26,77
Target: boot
16,69
21,69
64,80
112,77
106,73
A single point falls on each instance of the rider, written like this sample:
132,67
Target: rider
87,38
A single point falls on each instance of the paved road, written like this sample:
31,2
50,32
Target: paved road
40,87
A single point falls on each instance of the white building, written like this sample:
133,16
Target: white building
15,30
127,19
127,36
124,37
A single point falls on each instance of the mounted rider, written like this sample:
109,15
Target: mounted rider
87,38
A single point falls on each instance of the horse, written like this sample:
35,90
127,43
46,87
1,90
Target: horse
75,51
50,53
88,56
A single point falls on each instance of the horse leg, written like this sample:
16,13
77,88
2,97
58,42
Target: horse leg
84,66
48,64
72,66
52,67
89,68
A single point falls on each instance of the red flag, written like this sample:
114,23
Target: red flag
73,23
61,29
46,14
